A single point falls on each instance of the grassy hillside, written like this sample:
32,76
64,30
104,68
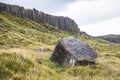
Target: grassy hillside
26,47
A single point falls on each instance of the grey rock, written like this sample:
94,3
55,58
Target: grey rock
71,52
26,30
6,44
40,49
59,22
111,38
1,24
85,34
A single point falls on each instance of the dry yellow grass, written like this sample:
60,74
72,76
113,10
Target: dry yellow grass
106,67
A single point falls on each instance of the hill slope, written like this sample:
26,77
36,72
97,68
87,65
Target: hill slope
20,32
112,38
26,47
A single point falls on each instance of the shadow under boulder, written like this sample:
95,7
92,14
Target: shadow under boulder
72,52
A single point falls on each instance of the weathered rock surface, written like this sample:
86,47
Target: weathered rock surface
70,51
59,22
111,38
85,34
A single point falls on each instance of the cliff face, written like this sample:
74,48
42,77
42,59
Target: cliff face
59,22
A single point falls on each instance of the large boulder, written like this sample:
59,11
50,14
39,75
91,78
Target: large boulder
71,52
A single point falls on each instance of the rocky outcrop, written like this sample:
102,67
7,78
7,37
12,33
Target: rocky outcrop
59,22
85,34
71,52
111,38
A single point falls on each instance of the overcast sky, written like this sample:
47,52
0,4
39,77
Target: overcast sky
96,17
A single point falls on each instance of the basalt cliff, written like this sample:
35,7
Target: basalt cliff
59,22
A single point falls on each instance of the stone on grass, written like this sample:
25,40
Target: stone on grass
71,52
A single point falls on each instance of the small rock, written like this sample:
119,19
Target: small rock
40,49
26,30
39,61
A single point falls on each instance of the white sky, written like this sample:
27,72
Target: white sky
96,17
